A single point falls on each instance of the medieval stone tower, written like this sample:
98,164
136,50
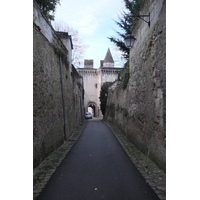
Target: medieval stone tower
93,78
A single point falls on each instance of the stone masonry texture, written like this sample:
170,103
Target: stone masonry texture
50,127
140,110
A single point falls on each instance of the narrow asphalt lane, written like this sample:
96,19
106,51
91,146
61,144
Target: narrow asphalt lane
97,168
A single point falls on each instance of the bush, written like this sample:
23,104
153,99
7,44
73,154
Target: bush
103,96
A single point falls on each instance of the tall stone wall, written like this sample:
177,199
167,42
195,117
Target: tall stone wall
57,91
140,109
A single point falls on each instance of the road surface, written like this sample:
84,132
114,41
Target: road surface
97,168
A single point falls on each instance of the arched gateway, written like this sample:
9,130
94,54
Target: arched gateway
92,107
94,78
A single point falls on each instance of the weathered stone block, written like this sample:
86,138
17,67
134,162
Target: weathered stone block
50,125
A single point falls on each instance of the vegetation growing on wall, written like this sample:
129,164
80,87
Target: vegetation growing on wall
103,96
48,7
124,75
61,51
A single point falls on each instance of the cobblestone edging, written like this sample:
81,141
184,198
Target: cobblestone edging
154,176
45,170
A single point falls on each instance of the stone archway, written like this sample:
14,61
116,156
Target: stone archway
92,107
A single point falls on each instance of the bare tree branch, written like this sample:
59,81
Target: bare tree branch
79,45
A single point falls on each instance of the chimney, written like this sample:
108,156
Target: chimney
88,64
101,63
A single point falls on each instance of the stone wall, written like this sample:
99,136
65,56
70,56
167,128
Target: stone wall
140,109
91,85
93,80
67,41
109,75
57,91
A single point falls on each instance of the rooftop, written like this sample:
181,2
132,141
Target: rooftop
108,58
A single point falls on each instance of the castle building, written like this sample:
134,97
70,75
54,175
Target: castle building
93,79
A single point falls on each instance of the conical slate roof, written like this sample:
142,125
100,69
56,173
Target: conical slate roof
108,58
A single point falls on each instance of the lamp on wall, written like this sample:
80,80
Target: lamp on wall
130,39
148,22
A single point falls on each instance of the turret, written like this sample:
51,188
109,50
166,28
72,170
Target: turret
108,60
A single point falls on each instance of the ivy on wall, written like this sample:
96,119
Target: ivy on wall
61,51
124,75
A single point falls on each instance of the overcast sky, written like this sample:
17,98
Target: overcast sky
94,20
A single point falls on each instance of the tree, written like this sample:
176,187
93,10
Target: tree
48,7
103,96
126,23
79,45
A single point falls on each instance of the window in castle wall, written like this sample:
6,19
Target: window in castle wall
96,85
